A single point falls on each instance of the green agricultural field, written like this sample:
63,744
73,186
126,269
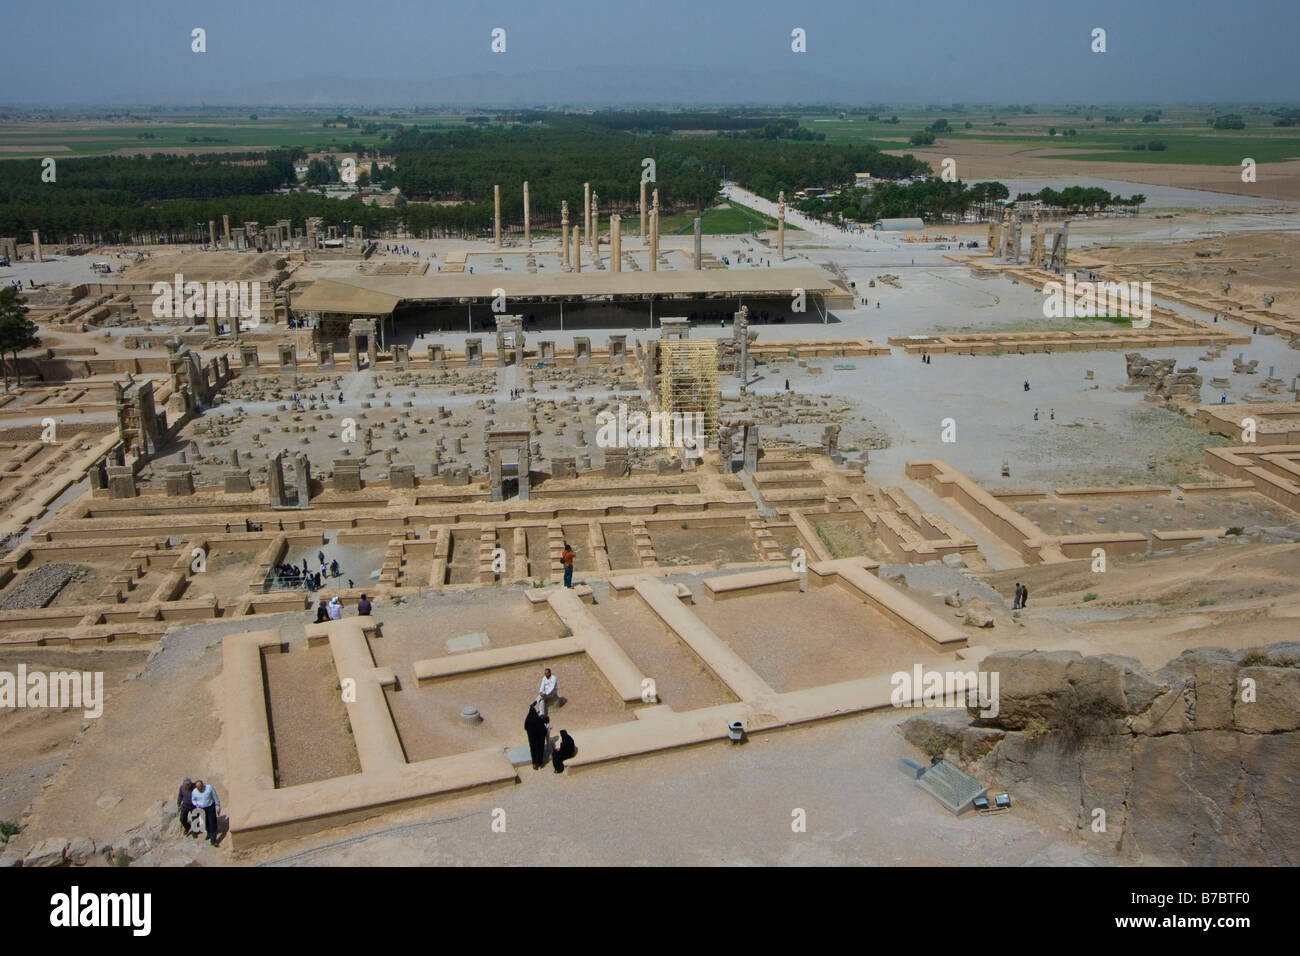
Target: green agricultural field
1185,133
200,131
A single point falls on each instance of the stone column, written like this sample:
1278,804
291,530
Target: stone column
699,245
495,226
780,226
615,243
641,208
496,221
528,232
212,233
225,230
595,228
36,242
577,250
586,212
742,339
654,240
564,234
654,231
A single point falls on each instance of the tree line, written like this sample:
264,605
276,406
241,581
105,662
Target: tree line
447,174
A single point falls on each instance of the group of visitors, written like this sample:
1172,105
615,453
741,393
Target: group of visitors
406,251
332,609
537,727
1022,597
199,806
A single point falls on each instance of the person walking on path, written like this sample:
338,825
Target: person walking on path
1024,596
1015,605
205,798
185,804
567,556
535,727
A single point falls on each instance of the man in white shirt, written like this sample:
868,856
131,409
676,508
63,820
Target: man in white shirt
546,695
335,608
205,798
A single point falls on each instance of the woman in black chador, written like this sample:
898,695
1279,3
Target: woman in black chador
563,752
536,729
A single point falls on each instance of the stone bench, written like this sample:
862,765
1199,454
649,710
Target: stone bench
752,582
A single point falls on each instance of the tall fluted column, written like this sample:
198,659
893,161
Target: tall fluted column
780,226
586,212
654,231
564,232
595,227
641,208
496,219
615,243
577,250
528,232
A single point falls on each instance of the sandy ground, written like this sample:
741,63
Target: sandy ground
711,806
996,161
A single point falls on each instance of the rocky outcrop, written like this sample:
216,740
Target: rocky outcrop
1197,763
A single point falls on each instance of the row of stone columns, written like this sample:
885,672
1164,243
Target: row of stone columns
590,228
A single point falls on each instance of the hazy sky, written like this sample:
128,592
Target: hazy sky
409,52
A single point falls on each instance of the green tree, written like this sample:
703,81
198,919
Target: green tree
17,332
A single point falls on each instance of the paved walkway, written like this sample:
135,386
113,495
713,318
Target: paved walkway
711,805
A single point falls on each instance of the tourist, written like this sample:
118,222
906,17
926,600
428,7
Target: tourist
335,608
546,695
563,752
1052,414
1015,605
322,612
1024,596
321,556
1035,414
205,798
184,804
334,569
567,556
1026,385
363,607
535,727
1223,399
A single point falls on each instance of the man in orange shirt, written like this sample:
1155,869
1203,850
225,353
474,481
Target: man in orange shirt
567,557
